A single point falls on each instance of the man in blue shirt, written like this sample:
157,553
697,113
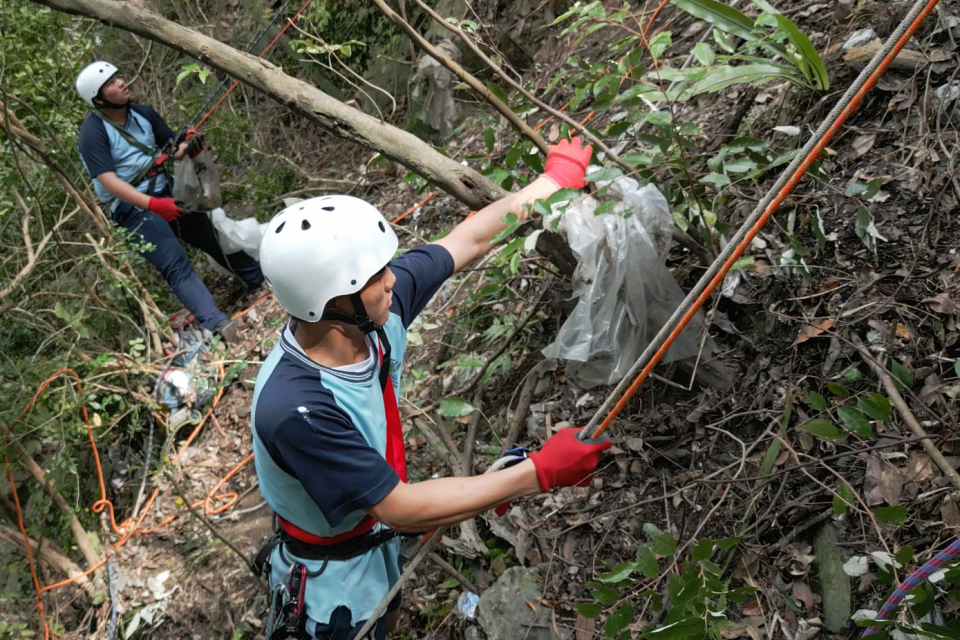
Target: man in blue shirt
326,430
121,145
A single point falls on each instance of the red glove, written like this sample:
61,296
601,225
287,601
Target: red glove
189,133
565,461
567,163
166,208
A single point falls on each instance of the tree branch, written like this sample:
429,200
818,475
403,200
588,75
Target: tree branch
52,555
461,73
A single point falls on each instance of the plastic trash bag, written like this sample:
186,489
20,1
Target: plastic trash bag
234,236
196,182
626,293
440,111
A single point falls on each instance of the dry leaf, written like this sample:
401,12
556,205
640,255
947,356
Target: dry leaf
871,481
891,484
585,628
569,545
803,593
864,143
919,468
903,331
940,303
949,512
812,331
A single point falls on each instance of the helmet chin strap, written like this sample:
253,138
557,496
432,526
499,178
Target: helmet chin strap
106,104
363,322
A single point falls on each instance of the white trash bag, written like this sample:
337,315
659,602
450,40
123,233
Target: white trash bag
626,293
236,235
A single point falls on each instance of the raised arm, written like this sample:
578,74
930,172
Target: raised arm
565,167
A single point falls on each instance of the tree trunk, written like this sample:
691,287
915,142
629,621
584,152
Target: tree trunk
463,183
52,555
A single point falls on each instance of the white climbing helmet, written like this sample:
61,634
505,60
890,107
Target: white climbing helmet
321,248
92,79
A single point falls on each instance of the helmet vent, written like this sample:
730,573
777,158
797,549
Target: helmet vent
312,314
328,208
382,228
353,282
280,228
305,224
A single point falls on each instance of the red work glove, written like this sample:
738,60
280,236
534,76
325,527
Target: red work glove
567,163
565,461
166,208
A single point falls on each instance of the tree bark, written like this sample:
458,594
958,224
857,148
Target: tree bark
52,555
463,183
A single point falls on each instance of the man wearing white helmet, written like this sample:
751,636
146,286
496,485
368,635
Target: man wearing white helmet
121,144
328,444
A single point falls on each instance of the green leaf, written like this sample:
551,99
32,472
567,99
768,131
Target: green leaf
815,401
718,180
691,628
723,41
854,189
903,374
702,550
498,92
661,542
513,223
824,429
843,499
604,173
613,82
454,407
704,54
729,543
807,60
720,16
720,77
181,76
659,43
891,515
605,207
603,594
203,76
659,117
620,572
876,406
618,620
838,389
646,563
855,421
489,140
589,610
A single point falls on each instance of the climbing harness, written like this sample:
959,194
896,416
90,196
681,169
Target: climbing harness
158,163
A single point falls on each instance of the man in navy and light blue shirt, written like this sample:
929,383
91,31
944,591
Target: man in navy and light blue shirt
121,145
326,431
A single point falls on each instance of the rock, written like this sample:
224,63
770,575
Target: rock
505,614
835,589
945,95
859,38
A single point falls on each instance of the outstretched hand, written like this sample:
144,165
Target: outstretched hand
567,163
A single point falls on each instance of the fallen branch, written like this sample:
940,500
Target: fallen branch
908,418
52,555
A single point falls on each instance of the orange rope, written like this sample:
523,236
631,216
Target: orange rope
767,213
413,208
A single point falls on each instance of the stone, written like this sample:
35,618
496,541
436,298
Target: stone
506,615
860,38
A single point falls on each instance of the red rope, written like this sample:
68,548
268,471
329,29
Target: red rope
262,53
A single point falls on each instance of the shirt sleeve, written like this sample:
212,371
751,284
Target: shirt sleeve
330,458
162,133
94,146
419,273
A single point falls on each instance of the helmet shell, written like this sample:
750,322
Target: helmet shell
92,79
321,248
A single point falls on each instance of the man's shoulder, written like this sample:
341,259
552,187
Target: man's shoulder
92,126
291,390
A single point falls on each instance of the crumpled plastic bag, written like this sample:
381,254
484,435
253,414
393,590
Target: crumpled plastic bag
196,182
626,293
440,110
235,235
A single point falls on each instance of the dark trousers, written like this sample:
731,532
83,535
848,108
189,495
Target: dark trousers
170,258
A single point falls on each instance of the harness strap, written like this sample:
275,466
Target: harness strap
152,168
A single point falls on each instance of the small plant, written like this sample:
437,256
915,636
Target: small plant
698,595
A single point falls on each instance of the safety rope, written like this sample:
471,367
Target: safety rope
777,194
262,53
912,581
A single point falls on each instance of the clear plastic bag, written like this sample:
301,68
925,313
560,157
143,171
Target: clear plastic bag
196,182
626,293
